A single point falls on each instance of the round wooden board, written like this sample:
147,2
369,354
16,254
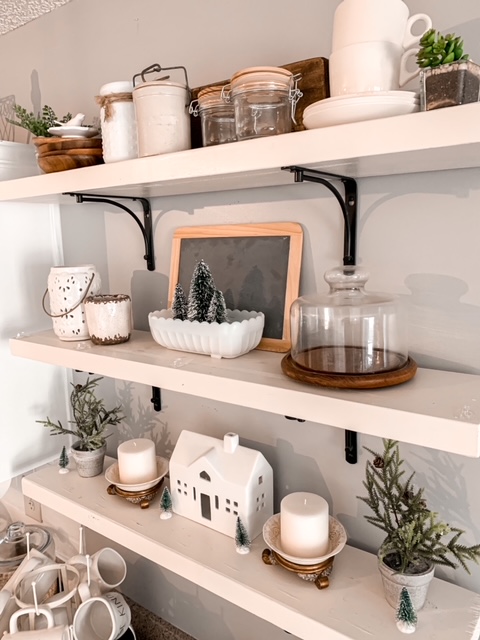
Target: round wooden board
45,145
352,381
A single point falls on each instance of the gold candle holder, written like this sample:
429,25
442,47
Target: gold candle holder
316,573
143,498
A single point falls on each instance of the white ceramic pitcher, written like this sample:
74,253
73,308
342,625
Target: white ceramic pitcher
375,20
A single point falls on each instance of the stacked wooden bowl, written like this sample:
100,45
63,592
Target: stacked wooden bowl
60,154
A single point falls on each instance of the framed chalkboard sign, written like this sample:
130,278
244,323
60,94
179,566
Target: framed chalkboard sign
256,266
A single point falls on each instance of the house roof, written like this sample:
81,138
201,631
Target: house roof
192,449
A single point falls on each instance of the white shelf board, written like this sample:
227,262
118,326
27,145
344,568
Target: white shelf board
426,141
352,607
426,411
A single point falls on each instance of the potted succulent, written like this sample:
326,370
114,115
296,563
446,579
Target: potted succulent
416,539
90,421
447,75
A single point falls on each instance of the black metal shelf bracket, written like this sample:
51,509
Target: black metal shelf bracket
146,227
348,204
156,398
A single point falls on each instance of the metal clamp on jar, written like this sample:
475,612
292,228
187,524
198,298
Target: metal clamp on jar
161,111
264,100
217,117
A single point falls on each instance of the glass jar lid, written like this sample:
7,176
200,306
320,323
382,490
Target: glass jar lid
13,543
210,97
255,78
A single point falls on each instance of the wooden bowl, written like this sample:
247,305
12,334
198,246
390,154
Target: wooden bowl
63,162
61,154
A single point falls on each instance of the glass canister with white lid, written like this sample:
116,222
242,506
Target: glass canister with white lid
264,99
348,330
217,117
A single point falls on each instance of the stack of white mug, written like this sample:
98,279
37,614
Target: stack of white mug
372,44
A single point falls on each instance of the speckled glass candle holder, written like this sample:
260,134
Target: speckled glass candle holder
109,318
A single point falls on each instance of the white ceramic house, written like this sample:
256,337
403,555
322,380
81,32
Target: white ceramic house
214,481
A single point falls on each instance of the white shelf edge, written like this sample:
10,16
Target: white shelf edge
426,411
353,607
427,141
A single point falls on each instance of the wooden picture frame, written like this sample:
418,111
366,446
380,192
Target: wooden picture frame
256,266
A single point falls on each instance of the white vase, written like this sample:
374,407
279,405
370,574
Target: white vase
67,288
417,585
109,318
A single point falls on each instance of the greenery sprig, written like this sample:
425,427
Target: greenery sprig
37,124
415,537
436,49
89,417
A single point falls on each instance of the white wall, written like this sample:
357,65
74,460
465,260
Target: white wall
418,235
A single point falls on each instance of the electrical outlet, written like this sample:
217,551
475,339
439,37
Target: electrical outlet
33,509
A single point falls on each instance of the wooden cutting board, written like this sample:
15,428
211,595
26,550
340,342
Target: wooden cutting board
314,84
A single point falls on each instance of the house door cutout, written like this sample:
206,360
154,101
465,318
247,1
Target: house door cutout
205,504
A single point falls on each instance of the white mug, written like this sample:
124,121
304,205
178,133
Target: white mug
51,632
107,570
369,66
373,20
104,617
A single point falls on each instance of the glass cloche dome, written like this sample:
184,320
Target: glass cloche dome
348,330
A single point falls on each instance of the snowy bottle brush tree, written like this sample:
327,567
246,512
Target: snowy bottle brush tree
205,303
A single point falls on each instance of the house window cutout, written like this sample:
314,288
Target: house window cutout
217,504
205,506
260,479
179,482
235,513
228,501
204,475
227,509
194,493
235,504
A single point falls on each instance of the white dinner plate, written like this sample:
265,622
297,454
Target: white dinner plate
336,534
112,476
74,132
345,109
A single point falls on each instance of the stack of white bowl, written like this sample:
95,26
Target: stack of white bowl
372,45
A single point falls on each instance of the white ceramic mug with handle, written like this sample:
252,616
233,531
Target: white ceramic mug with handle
373,20
51,632
107,570
104,617
370,66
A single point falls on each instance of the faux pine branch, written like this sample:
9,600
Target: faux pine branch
414,534
90,417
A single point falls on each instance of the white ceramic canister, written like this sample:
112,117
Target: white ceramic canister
67,288
109,318
163,121
117,118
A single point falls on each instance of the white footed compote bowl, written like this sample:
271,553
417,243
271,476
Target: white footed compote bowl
315,570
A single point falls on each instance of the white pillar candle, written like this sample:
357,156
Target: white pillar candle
304,525
137,461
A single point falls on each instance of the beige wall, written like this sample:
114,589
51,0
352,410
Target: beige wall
418,235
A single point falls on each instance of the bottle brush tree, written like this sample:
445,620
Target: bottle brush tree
415,536
242,540
406,614
179,303
217,311
166,504
202,290
63,460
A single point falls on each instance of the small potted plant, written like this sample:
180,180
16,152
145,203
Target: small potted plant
90,421
416,539
447,75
